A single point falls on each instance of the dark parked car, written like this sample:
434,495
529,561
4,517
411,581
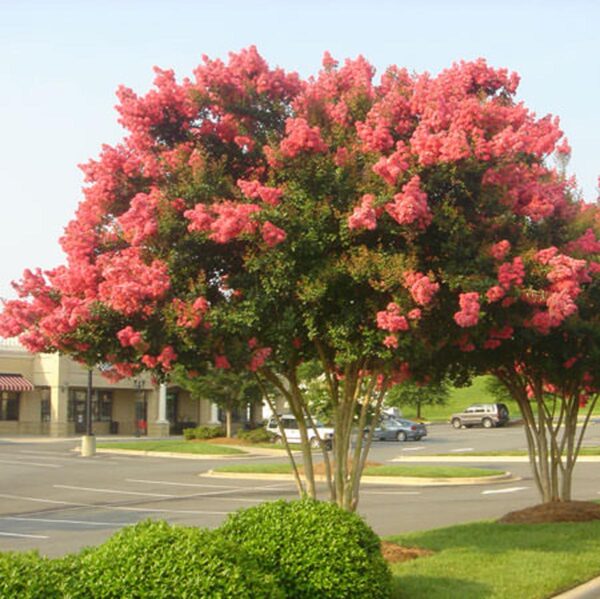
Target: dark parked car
399,429
487,415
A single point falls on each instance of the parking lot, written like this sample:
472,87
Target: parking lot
54,500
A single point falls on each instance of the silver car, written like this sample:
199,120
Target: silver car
399,429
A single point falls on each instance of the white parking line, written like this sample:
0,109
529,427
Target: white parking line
413,448
117,508
58,521
390,493
21,463
164,482
509,490
461,449
115,491
22,536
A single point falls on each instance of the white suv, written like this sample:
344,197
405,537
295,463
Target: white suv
292,432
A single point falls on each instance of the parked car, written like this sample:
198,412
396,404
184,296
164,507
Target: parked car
292,432
399,429
487,415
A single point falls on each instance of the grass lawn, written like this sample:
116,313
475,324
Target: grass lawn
516,452
485,560
461,398
384,470
172,445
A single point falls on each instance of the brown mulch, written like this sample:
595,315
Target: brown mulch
393,553
223,441
557,511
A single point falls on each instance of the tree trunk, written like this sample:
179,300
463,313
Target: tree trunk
418,409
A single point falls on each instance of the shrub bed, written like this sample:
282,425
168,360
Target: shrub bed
203,432
257,435
314,548
154,559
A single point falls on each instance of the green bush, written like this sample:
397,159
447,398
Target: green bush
155,560
203,432
257,435
30,576
314,548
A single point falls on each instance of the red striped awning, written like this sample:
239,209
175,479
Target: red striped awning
14,382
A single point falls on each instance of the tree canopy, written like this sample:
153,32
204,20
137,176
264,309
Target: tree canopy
410,226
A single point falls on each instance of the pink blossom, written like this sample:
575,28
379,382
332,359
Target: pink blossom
468,315
272,235
410,206
166,357
364,215
511,273
544,256
421,288
560,306
232,221
495,293
500,249
390,168
391,320
391,341
414,314
254,190
259,357
128,337
222,362
300,137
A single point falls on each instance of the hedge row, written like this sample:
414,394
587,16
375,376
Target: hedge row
298,549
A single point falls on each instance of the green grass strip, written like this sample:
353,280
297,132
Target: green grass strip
412,471
514,452
486,560
174,446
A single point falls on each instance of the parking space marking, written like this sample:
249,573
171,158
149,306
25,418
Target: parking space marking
118,508
509,490
22,536
115,491
174,484
390,493
461,449
59,521
22,463
413,448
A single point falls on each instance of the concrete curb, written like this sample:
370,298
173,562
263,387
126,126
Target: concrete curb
412,481
588,590
172,454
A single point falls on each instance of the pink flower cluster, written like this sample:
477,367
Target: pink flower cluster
128,337
272,235
391,167
130,285
225,221
364,215
500,250
468,315
511,273
391,319
140,221
259,357
301,137
254,190
421,287
410,206
165,359
190,316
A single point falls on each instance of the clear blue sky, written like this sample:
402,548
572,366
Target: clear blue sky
61,62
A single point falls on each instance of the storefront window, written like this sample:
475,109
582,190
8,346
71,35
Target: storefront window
9,405
45,411
101,405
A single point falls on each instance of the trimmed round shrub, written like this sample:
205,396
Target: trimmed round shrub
257,435
203,432
316,549
27,575
154,560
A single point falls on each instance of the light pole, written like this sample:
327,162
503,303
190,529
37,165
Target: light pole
88,441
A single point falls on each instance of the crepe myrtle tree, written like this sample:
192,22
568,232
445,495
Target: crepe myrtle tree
255,220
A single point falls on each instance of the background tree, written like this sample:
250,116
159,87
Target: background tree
229,389
416,396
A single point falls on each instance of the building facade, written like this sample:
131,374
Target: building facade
46,394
